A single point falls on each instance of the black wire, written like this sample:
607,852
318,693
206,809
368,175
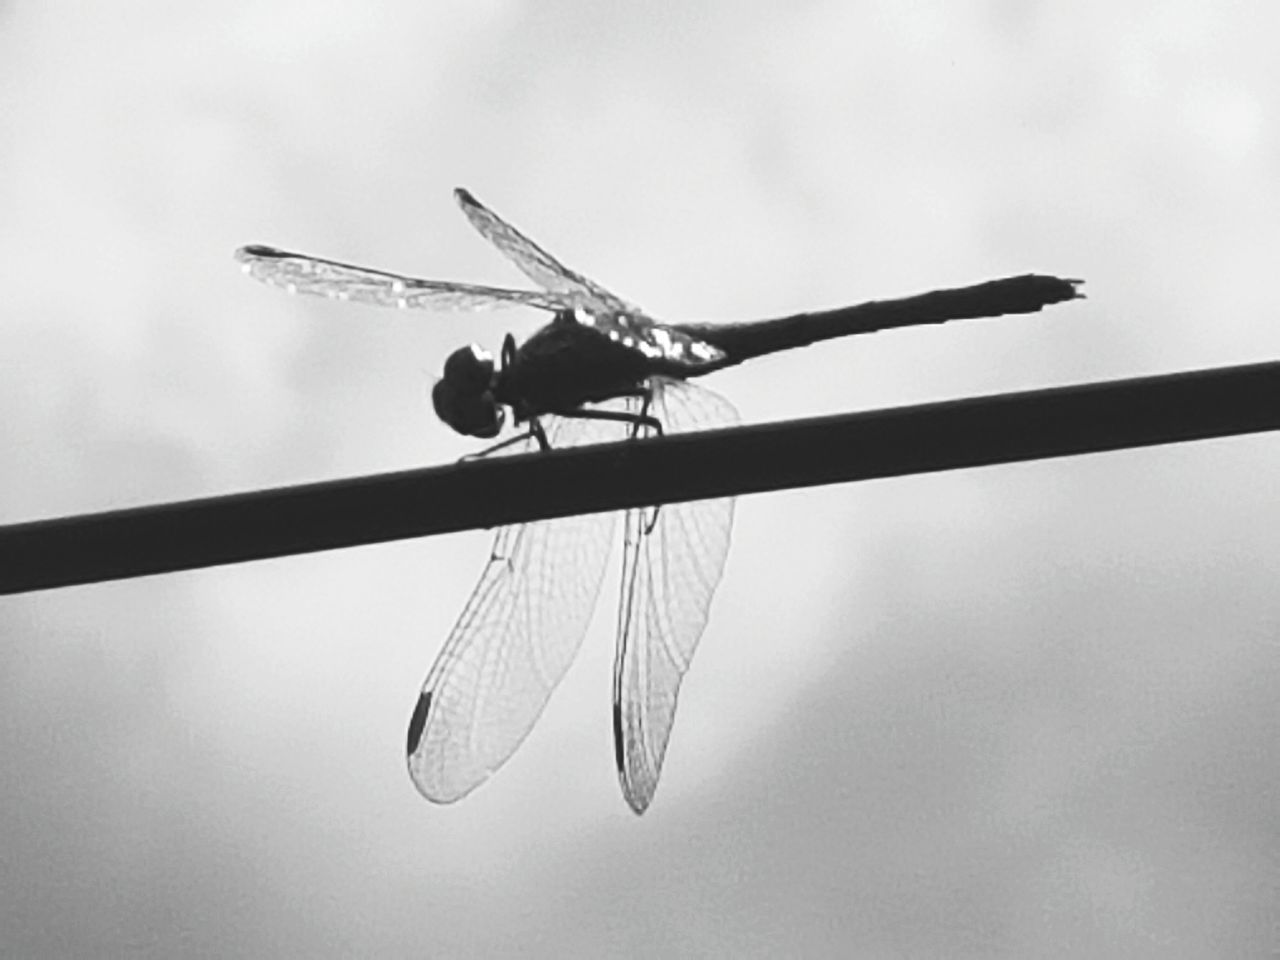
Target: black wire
486,493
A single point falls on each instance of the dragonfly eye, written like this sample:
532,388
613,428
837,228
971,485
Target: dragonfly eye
469,368
463,397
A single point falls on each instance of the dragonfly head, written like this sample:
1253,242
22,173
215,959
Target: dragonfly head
463,397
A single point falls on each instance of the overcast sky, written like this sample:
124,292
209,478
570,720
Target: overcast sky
1010,712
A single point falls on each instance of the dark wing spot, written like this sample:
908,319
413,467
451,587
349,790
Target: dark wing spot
617,736
257,250
419,720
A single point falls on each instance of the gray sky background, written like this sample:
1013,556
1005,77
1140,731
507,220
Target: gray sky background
1020,711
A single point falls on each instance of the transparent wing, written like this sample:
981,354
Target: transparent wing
671,566
515,639
298,273
606,311
538,265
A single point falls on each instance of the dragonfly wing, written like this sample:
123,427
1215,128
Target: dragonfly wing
514,641
299,273
538,265
671,566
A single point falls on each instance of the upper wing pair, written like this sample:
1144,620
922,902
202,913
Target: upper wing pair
563,289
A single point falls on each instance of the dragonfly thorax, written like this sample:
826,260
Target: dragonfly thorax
565,364
463,396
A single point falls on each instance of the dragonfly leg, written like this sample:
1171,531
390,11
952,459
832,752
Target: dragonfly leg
535,428
638,420
481,454
647,394
643,417
534,431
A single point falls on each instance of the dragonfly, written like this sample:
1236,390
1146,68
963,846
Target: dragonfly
600,370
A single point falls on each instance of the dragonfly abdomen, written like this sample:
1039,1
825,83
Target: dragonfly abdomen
1028,293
